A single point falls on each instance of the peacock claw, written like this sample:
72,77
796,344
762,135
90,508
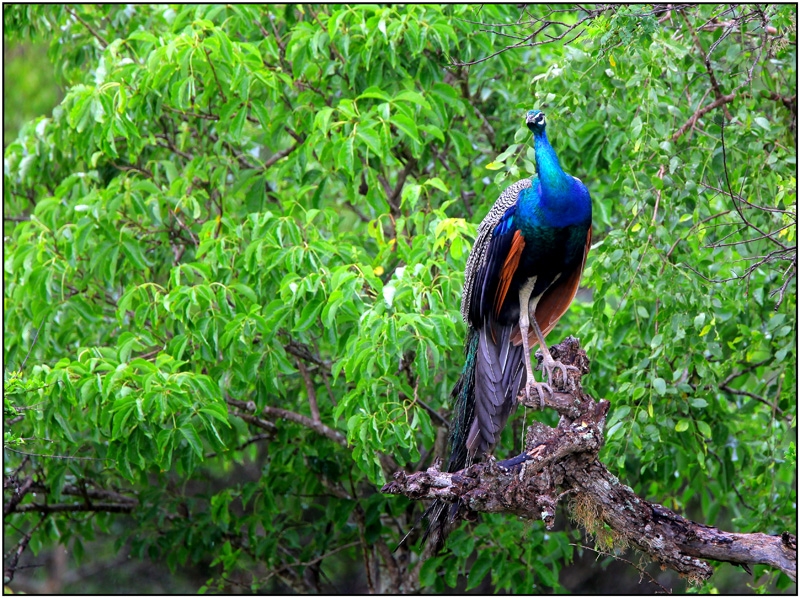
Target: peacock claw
548,364
540,387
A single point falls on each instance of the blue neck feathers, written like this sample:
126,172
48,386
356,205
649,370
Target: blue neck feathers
556,199
555,182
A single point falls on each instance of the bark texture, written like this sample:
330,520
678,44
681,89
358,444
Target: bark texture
562,462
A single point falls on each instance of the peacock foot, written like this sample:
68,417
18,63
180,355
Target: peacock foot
548,364
540,388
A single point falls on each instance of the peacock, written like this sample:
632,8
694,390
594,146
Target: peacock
521,276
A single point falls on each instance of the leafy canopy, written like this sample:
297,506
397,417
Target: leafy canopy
239,241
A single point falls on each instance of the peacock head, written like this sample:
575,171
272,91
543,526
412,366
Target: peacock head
535,121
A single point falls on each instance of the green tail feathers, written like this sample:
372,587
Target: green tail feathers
464,405
441,514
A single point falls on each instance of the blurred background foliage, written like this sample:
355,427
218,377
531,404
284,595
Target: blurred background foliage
233,255
29,88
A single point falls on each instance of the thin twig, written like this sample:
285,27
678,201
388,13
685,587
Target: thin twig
132,167
276,412
33,343
8,571
99,37
279,155
8,448
310,563
706,60
641,571
700,112
97,507
214,72
752,395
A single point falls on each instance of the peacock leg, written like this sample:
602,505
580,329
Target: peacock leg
524,325
548,363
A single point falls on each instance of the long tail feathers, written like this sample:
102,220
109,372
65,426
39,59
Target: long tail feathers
498,375
484,397
441,516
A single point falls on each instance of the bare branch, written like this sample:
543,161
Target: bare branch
11,568
314,561
320,428
642,571
19,493
707,61
538,26
13,450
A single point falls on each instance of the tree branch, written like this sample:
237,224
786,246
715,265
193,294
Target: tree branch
19,493
97,507
562,461
280,155
707,61
700,112
276,412
214,72
11,568
318,427
94,33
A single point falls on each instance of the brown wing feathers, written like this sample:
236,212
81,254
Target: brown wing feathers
508,270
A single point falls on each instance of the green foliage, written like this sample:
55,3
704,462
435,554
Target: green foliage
26,70
233,289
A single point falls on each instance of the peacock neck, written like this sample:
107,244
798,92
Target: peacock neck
555,182
554,197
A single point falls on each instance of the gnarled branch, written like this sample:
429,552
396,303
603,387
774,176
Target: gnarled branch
562,461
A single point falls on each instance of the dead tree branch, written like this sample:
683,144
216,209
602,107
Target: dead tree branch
562,461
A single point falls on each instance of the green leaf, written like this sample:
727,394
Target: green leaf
322,119
429,571
413,98
437,183
762,122
479,570
217,411
407,126
133,251
309,315
510,151
190,434
375,92
346,157
372,140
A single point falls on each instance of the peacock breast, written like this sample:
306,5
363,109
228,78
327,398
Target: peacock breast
552,249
